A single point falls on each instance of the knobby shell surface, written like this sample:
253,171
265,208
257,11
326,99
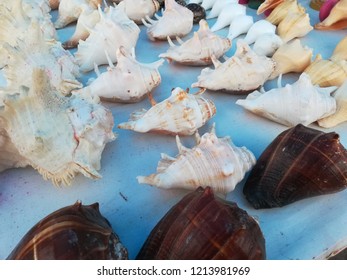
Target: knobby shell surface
299,163
75,232
204,227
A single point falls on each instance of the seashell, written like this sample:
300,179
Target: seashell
198,11
214,162
291,57
181,113
208,4
282,9
327,73
268,5
136,10
113,30
267,44
240,25
337,18
340,51
198,49
54,4
70,10
340,115
201,220
326,8
294,25
259,28
217,7
75,232
226,16
301,162
316,4
129,81
58,136
299,103
240,74
176,20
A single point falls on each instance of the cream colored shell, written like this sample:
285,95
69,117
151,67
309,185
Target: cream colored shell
340,51
282,9
136,10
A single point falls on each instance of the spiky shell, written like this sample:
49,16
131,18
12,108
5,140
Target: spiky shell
282,9
198,49
340,51
182,113
136,10
214,162
241,73
176,20
337,18
59,136
129,81
298,103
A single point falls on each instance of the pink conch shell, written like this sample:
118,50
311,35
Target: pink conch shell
214,162
182,113
176,20
198,49
337,18
136,10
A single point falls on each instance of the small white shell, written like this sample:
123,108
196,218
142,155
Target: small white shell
181,113
240,25
214,162
259,28
266,44
136,10
217,7
299,103
226,16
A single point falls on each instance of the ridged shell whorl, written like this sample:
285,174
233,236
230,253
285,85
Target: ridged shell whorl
204,227
300,163
76,232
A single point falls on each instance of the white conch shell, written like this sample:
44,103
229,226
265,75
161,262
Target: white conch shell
299,103
291,57
340,115
218,6
240,25
182,113
226,16
267,44
70,10
340,51
282,9
113,30
198,49
136,10
259,28
57,135
176,20
129,81
208,4
214,162
337,18
294,25
241,73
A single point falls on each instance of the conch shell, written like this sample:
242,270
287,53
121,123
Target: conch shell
58,136
214,162
340,51
268,5
300,163
340,115
203,220
299,103
267,44
259,28
198,49
136,10
282,9
129,81
227,15
240,25
181,113
176,20
218,7
241,73
337,18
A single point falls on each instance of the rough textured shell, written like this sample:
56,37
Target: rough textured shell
136,10
76,232
202,226
282,9
337,18
198,49
181,113
300,163
214,162
293,104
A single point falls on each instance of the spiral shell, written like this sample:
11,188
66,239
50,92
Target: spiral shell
204,227
282,9
76,232
337,19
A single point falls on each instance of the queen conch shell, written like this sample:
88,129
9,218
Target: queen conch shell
337,18
299,103
113,30
129,81
214,162
340,51
136,10
282,9
182,113
241,73
198,49
340,115
327,72
58,136
176,20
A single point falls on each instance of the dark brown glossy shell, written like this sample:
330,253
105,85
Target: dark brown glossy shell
301,162
75,232
198,11
202,226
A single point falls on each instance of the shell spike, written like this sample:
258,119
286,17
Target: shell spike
200,91
157,16
96,70
148,180
213,129
215,61
279,81
145,23
152,21
180,146
197,137
170,42
151,99
179,40
105,4
157,64
109,60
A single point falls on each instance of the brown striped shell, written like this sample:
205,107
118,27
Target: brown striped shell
202,226
76,232
300,163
